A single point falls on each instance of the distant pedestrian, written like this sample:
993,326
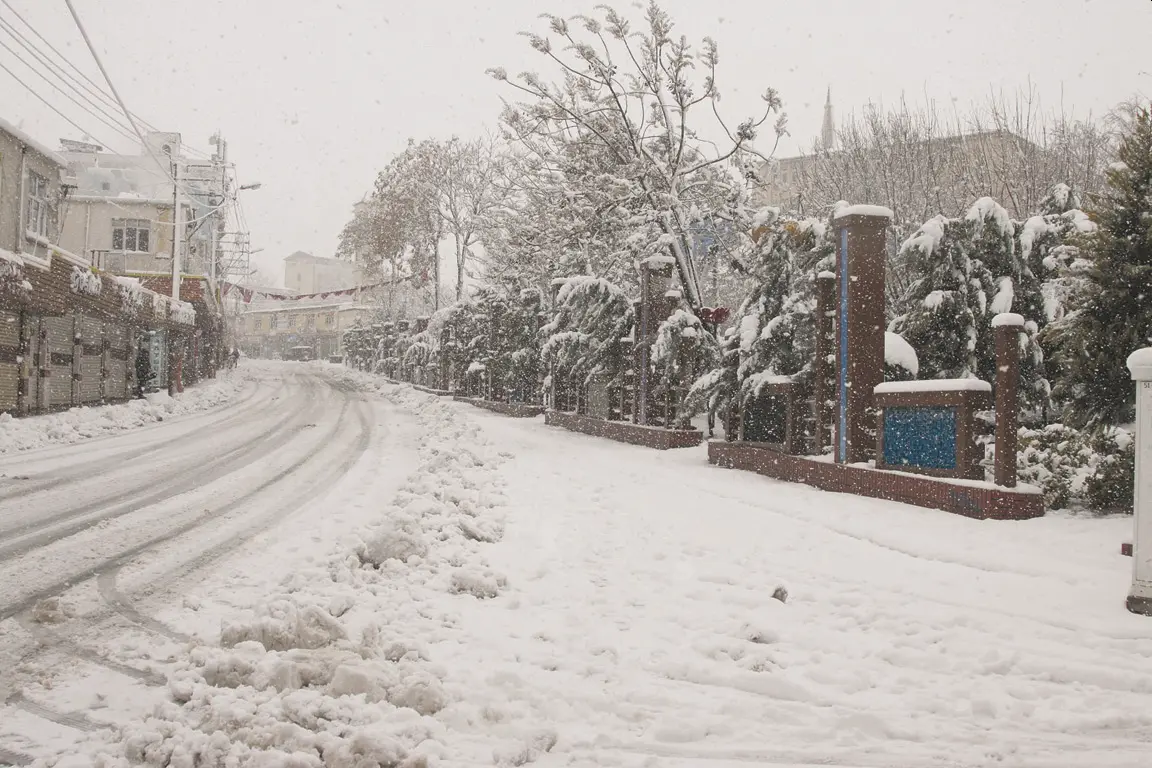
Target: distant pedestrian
143,370
234,358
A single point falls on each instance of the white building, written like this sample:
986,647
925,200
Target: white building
305,273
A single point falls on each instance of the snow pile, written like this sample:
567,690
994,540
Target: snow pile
133,296
899,353
86,282
335,671
94,421
182,312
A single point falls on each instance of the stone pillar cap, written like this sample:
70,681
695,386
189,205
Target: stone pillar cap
844,211
1140,364
1008,319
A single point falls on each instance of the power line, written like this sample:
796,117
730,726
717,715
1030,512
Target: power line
110,124
47,103
98,90
84,81
131,119
57,71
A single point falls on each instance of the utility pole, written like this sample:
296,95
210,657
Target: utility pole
177,228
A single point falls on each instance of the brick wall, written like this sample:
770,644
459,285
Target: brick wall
625,431
979,502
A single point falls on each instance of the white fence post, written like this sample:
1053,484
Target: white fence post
1140,595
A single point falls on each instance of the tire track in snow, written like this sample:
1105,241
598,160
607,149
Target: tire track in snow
8,757
48,640
21,541
189,480
49,453
74,720
124,605
95,467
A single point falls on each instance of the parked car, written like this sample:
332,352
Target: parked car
303,354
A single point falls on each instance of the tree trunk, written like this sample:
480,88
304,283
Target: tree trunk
461,255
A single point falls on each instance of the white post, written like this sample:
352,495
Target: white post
177,229
1140,595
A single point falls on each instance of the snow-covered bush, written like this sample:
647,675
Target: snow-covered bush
418,354
716,391
1110,487
682,349
774,330
1075,468
592,316
946,300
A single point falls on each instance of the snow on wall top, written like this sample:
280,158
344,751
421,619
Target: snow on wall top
826,275
899,353
934,385
11,257
1140,364
1008,319
33,144
862,210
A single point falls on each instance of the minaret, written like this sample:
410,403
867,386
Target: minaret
828,129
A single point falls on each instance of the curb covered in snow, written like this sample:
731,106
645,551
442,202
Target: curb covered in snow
86,422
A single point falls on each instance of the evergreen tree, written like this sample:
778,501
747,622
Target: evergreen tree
774,329
1049,243
592,315
945,299
1008,284
683,349
1114,315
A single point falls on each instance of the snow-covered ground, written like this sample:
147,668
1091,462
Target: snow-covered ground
478,590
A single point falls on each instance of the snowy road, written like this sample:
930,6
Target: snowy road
381,578
93,533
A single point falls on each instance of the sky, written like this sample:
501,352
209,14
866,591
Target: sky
315,97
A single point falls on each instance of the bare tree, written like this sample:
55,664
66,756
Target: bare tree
614,145
920,163
461,182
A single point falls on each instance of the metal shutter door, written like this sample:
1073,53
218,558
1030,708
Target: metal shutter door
59,349
9,368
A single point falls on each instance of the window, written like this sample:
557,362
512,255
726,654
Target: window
131,235
310,322
38,213
291,321
330,320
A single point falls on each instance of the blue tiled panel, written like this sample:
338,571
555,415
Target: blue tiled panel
920,437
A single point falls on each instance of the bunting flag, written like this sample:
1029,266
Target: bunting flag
248,294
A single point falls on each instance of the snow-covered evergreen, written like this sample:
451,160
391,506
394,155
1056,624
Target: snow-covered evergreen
591,318
1112,315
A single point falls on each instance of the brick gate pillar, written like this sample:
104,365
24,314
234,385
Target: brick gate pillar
1007,327
861,256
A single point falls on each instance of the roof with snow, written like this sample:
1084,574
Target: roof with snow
41,149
